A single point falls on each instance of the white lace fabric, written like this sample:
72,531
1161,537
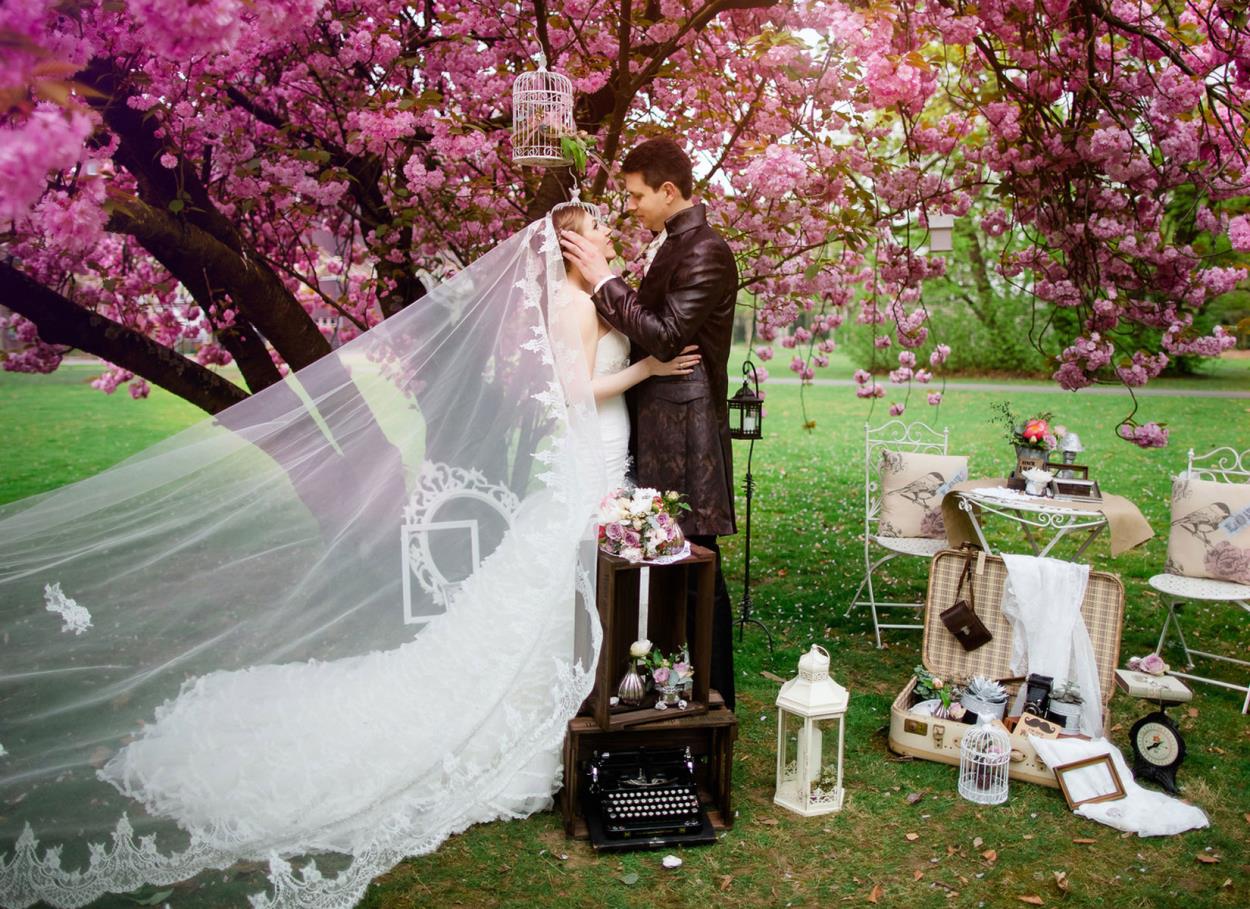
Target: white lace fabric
248,684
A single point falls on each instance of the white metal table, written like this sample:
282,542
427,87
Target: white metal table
1037,517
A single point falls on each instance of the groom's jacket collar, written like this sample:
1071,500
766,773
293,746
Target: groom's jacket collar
686,219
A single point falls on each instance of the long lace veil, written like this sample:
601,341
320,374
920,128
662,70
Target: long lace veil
347,617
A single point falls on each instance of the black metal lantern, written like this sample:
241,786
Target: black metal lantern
746,408
746,421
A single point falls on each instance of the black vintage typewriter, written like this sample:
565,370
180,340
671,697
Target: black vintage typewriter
645,798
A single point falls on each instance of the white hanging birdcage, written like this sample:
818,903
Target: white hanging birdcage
984,756
542,115
575,201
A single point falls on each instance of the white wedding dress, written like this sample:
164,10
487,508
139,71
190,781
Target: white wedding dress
612,356
243,680
313,756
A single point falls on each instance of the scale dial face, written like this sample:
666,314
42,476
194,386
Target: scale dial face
1157,744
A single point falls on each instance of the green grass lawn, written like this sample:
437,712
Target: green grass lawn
807,560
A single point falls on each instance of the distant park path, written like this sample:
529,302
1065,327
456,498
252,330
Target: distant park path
1041,388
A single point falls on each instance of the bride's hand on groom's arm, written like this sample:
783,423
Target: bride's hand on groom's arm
681,365
589,261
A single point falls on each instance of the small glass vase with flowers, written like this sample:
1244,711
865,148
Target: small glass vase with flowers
673,677
1033,438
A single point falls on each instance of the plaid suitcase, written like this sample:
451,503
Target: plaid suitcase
939,739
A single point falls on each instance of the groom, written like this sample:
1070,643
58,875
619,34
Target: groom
680,424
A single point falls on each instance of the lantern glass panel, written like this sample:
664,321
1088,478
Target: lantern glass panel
750,418
791,732
826,778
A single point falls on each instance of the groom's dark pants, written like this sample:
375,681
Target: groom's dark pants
722,677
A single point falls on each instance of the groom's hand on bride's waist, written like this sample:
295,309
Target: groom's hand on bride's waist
589,261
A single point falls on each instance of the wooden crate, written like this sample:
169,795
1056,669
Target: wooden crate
617,599
710,737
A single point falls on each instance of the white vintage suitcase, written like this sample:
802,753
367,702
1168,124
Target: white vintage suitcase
938,739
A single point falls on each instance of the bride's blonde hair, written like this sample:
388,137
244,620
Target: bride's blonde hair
570,218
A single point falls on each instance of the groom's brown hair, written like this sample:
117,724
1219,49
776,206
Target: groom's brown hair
661,161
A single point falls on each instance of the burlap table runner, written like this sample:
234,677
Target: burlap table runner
1127,525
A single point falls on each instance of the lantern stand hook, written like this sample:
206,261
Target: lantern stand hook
744,618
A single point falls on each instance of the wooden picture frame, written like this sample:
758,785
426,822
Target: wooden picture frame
1076,490
1089,781
1078,471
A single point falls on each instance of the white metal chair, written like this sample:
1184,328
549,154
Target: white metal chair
1225,465
894,435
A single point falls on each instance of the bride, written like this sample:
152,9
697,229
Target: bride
606,349
250,642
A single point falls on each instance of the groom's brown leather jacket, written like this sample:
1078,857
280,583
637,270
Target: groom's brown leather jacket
679,425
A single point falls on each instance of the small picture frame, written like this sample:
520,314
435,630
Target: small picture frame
1088,781
1075,489
1069,471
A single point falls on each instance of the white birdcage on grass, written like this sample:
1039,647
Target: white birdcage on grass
542,115
984,755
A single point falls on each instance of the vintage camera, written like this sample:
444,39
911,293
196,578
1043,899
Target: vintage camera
1037,694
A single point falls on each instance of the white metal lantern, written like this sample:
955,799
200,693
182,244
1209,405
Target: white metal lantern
984,755
941,233
542,114
811,722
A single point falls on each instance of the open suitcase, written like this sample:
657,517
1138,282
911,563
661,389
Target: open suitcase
938,739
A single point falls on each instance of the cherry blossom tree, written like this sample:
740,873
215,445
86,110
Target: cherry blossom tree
217,175
1081,124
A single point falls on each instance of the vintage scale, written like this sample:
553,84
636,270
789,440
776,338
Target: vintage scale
1158,746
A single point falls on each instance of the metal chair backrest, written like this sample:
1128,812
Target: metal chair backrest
1222,465
894,435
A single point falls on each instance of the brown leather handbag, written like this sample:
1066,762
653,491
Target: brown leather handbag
961,619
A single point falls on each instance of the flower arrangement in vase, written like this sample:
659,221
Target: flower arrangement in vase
641,524
672,675
633,687
1034,438
935,696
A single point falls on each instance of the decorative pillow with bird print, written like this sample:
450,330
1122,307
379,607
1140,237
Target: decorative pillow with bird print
1210,535
912,487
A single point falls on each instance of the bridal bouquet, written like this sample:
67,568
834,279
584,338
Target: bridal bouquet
641,524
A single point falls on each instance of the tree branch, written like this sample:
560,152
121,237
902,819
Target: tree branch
193,255
61,321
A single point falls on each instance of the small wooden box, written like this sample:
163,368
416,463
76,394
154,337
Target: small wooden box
617,599
710,737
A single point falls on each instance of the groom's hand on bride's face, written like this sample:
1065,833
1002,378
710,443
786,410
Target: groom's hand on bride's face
588,259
